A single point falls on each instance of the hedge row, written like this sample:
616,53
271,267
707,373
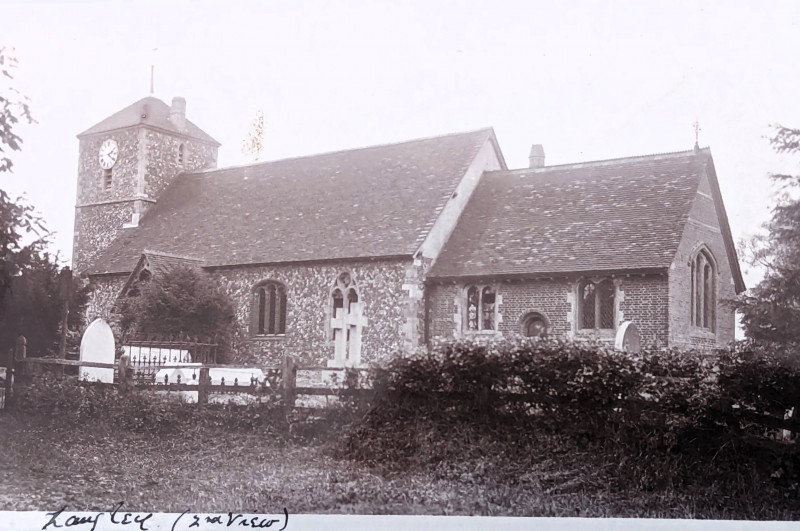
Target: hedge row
653,404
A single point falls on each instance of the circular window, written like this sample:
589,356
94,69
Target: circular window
534,325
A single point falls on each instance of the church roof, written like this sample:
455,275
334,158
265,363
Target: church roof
372,202
622,214
147,111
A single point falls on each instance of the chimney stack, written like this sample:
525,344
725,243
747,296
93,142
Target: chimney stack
536,158
177,113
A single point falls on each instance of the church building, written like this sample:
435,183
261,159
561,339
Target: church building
345,258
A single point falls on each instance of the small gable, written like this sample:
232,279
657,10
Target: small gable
153,263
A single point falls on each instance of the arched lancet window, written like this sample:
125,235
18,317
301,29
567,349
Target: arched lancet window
534,325
596,304
181,155
703,290
480,309
269,309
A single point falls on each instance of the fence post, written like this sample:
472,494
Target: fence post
20,354
9,387
289,381
202,386
124,376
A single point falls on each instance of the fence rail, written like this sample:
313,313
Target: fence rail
276,381
280,382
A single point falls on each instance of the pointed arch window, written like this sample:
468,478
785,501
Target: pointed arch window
268,315
703,290
182,155
596,304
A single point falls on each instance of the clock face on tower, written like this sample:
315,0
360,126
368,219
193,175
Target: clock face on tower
108,153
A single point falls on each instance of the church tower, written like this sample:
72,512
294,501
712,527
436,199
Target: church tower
124,164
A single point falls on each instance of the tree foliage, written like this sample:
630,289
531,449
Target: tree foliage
35,305
18,222
253,145
13,108
181,301
771,310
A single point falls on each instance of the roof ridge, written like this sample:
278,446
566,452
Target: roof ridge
487,130
609,162
172,255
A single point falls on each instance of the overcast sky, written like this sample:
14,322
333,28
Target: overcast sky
591,80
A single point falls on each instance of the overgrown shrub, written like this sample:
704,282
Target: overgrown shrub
663,413
179,302
66,399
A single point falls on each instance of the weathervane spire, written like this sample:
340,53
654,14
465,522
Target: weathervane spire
152,72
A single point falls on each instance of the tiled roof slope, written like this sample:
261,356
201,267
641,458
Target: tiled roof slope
149,111
370,202
162,262
622,214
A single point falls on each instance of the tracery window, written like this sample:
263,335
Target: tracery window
481,308
269,309
703,290
596,304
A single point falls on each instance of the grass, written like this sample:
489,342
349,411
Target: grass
45,464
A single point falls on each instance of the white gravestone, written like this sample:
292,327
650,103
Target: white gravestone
348,328
97,345
628,338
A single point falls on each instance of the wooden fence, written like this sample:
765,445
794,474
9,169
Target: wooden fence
278,382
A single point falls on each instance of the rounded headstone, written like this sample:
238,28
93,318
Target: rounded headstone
97,345
627,338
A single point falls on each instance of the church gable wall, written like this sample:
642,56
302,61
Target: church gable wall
702,228
486,159
308,300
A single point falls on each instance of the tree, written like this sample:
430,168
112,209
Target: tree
17,219
181,301
34,308
771,310
253,145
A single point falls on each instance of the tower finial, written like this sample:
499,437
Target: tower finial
152,72
696,125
